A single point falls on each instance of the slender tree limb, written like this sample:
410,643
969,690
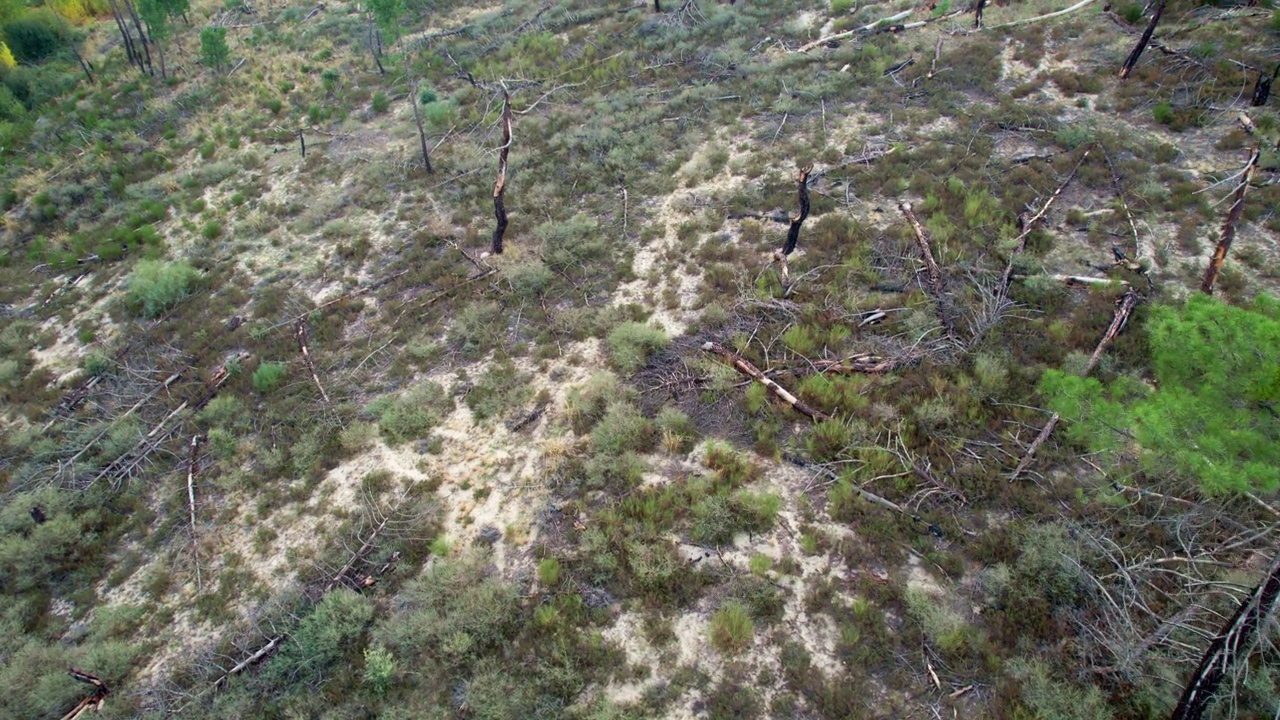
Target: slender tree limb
300,333
1132,60
1039,18
1124,309
191,504
935,284
266,650
738,363
1030,454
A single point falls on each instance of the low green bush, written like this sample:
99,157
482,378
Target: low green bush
268,377
732,629
156,286
631,344
411,415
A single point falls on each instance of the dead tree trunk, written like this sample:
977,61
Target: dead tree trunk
1262,88
738,363
1124,309
422,134
142,35
802,194
300,332
129,50
1143,41
500,186
93,701
85,66
1006,279
977,14
1229,226
191,505
256,657
375,47
1030,454
935,285
1234,641
302,144
657,6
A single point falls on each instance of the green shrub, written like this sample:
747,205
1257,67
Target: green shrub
331,631
732,629
1163,113
500,390
631,344
380,102
944,627
379,669
587,403
156,286
211,230
97,363
676,431
622,429
268,377
842,6
549,571
411,415
35,36
1047,699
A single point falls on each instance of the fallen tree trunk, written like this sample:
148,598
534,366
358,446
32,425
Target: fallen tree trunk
422,134
257,656
1229,226
1030,454
738,363
191,505
1132,60
1006,279
70,464
935,284
300,332
1235,641
1124,309
1038,18
884,22
500,186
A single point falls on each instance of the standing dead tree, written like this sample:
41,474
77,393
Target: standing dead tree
1229,225
500,186
793,231
978,7
741,365
422,134
935,285
1132,60
1236,639
1261,88
300,332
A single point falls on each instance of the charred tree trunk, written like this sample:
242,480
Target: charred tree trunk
657,6
1229,226
375,47
422,134
977,14
1142,41
1234,641
1124,309
1262,88
500,186
935,285
302,144
802,194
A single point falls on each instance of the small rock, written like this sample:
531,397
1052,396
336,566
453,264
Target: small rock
489,535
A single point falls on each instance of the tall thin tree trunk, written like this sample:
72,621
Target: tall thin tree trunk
977,13
1142,41
1229,226
375,47
500,186
802,193
160,55
1262,88
129,50
142,35
657,6
1234,641
422,135
83,65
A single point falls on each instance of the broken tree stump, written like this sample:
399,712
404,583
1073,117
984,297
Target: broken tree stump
500,186
1132,60
1229,225
738,363
802,196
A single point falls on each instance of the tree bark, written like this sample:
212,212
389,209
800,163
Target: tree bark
802,194
1142,41
302,144
257,656
500,186
1124,309
129,50
375,47
1234,641
142,35
422,134
1262,88
1229,226
977,14
935,284
738,363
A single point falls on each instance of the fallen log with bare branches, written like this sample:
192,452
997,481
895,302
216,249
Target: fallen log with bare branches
738,363
1002,290
1124,309
300,333
256,657
93,701
1030,454
935,284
